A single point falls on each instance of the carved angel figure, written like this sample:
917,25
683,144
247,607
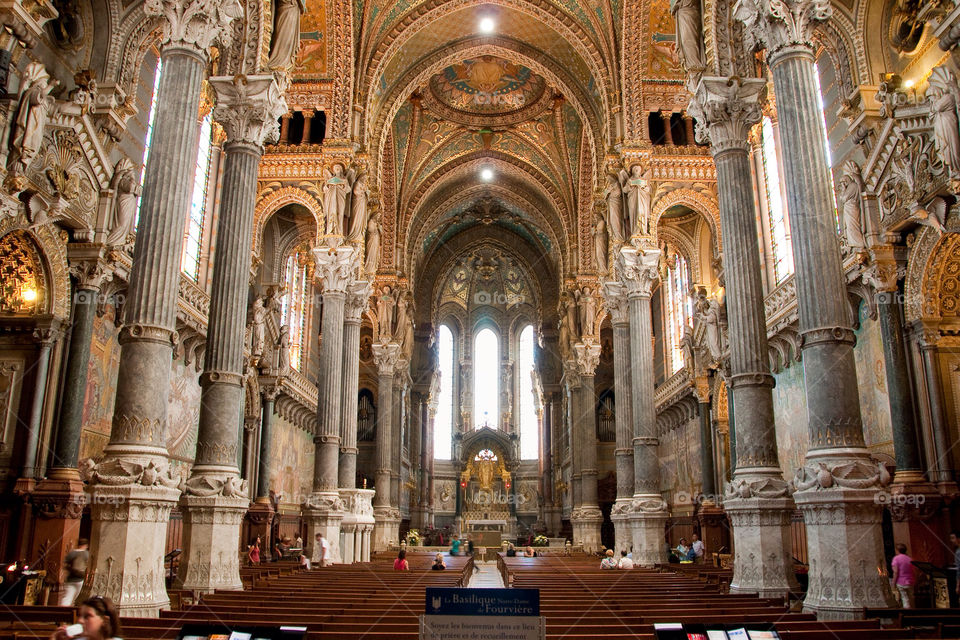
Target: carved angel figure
708,312
614,196
686,13
373,245
336,193
385,302
401,320
600,242
588,311
126,190
358,207
286,33
686,350
283,351
636,186
851,188
33,110
258,316
944,96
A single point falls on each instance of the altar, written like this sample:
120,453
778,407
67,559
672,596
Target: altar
487,498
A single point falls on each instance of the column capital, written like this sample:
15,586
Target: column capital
248,108
47,334
336,267
884,271
386,356
617,303
91,271
783,27
588,357
726,109
637,270
193,24
571,373
358,296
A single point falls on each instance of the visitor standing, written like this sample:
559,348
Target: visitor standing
904,575
75,565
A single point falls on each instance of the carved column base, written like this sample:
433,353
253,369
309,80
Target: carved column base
386,530
586,523
211,531
357,518
622,527
919,521
845,547
763,549
259,523
58,505
649,518
127,542
324,514
714,529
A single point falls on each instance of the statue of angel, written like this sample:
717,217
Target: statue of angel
601,240
944,97
588,311
336,193
283,351
385,302
851,188
126,190
33,110
401,320
614,196
358,206
258,334
636,186
708,312
686,14
286,33
373,245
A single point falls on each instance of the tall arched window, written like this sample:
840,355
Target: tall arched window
148,142
679,305
193,242
443,421
486,379
826,142
293,308
529,427
777,213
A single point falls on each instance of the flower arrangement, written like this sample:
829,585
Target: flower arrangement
413,537
540,541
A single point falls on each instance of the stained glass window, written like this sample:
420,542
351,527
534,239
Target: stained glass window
529,428
193,241
826,144
149,139
443,421
486,380
779,229
679,306
293,306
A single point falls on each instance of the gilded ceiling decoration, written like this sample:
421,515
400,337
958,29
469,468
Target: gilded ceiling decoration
312,59
488,85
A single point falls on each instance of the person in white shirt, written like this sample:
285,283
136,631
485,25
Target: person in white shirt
626,562
698,549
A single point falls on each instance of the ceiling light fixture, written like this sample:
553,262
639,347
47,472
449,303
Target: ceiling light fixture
487,25
486,174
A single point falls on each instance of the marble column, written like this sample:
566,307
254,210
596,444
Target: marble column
401,376
839,489
708,471
132,490
307,121
59,496
572,383
356,303
46,337
260,515
386,531
758,499
636,269
618,305
585,425
941,473
667,130
214,499
336,269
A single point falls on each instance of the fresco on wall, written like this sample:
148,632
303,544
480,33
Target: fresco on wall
663,60
291,462
183,416
101,385
680,463
312,57
872,382
790,415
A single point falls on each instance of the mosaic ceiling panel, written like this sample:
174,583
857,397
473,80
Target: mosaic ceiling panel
663,61
487,85
313,58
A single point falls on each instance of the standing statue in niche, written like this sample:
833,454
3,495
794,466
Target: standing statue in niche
851,188
614,195
258,334
286,33
686,351
686,13
126,190
358,206
944,96
385,302
572,324
283,351
708,312
601,241
33,110
373,245
636,186
402,319
336,192
588,311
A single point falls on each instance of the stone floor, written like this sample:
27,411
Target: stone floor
487,576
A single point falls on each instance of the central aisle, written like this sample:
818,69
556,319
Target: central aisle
487,577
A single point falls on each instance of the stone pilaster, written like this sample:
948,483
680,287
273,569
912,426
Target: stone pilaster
636,270
758,499
386,531
358,522
839,489
336,268
214,498
132,489
618,305
589,518
356,303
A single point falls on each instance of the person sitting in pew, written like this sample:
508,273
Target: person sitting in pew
438,563
609,562
99,619
511,551
529,553
401,564
626,562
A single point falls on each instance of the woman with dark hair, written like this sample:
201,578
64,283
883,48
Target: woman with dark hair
253,552
401,564
99,619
